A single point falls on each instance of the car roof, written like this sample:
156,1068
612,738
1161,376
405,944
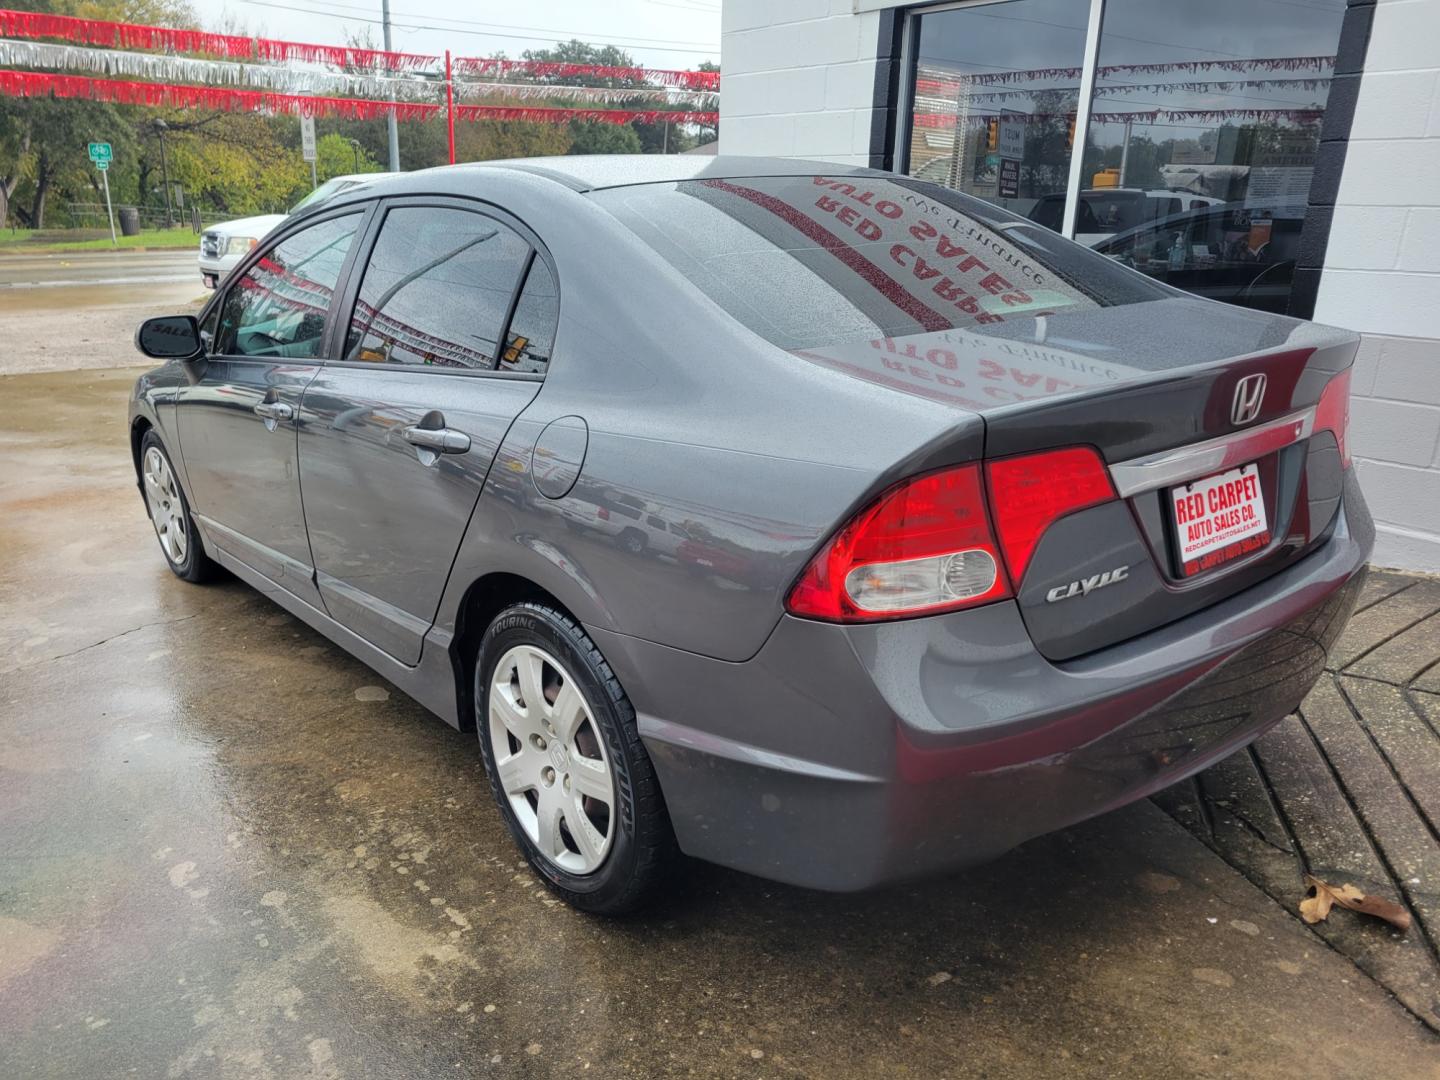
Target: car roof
594,172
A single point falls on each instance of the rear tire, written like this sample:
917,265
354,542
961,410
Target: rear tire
556,765
169,512
633,541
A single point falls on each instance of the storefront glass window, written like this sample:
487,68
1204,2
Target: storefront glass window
1202,140
994,99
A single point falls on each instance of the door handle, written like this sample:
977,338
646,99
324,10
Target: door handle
274,410
440,440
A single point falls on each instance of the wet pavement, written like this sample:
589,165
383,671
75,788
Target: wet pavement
228,850
63,312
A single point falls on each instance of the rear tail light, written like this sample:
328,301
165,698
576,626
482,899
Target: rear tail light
1031,492
603,514
1333,413
925,546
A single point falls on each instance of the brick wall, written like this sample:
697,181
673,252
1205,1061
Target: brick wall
1382,277
799,79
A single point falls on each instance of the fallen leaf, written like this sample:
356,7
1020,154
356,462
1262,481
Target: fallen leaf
1316,908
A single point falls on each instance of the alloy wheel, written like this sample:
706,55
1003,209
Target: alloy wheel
550,760
167,510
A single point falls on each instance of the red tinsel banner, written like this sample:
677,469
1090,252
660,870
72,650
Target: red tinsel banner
33,24
341,56
947,88
1186,67
1148,116
689,80
121,92
175,95
543,115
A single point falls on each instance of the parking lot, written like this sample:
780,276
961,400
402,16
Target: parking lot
227,849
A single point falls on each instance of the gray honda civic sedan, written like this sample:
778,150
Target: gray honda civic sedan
815,521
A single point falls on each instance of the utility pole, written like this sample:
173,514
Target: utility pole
1124,154
160,127
393,129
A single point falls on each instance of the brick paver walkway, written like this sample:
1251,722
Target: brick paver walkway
1348,789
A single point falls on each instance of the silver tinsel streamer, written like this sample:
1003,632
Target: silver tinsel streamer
160,67
694,100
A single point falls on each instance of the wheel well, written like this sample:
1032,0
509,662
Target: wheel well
486,598
137,435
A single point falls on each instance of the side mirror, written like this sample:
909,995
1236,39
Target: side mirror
170,337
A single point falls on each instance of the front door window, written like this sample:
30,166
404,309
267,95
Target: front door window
279,306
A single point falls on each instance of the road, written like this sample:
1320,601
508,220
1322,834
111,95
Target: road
227,849
80,310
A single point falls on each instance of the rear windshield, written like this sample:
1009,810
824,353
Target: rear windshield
810,261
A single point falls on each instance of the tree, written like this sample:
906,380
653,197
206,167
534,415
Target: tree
586,137
43,140
336,156
492,139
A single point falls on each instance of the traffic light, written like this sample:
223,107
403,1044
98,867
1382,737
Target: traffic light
992,134
1070,138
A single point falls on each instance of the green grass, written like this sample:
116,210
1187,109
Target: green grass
42,241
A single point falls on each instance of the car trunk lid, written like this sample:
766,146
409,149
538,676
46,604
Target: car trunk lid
1154,389
1225,473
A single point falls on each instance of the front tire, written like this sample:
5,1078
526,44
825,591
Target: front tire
566,765
633,542
170,514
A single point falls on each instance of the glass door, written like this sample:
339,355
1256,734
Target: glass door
1202,141
994,101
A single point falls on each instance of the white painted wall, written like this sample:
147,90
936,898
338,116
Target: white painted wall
797,79
1382,277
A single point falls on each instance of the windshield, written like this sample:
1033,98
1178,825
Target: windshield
809,261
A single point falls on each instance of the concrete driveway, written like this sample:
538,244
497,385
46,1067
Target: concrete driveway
227,850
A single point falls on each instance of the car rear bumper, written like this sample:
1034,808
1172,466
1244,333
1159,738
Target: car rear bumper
843,757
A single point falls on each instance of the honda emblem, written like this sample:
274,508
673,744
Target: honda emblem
1249,395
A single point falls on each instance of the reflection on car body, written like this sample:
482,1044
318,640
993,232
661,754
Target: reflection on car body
1226,252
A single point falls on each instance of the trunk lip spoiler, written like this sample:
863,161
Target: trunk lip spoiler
1169,467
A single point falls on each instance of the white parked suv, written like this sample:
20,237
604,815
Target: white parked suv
223,245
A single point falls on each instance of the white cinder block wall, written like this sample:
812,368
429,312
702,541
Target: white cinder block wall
798,79
1382,277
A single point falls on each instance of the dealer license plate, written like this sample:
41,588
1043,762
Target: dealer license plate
1219,518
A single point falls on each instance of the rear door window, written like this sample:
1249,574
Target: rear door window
531,335
278,308
436,290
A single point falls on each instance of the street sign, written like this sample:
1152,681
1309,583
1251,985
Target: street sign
307,138
1008,183
100,155
1011,140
